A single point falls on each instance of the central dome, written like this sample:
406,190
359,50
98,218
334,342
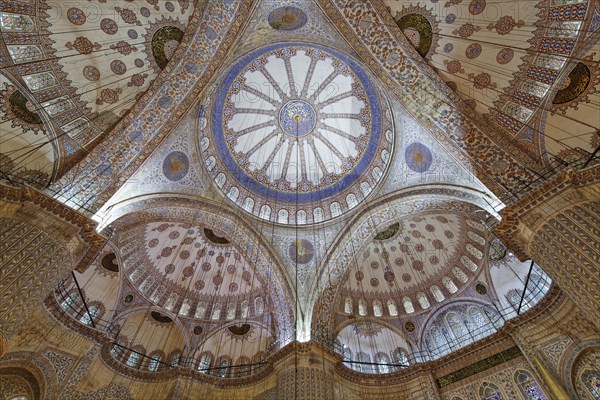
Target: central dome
296,127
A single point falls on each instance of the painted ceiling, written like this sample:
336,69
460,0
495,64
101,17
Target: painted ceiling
530,67
301,124
415,254
99,59
286,152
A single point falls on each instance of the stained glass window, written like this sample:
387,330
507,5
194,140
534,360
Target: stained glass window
377,308
362,307
259,306
392,308
489,391
204,363
134,359
69,303
591,380
154,363
401,358
348,305
88,317
223,370
383,361
528,386
175,359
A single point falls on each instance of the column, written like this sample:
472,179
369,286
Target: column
41,242
558,226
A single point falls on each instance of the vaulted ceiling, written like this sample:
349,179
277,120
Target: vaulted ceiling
302,154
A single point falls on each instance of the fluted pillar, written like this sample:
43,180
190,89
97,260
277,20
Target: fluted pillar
41,242
306,374
558,226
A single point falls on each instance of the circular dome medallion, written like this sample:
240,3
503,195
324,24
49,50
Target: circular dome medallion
298,123
297,118
287,18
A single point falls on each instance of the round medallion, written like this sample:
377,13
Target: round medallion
118,67
418,157
410,326
473,51
505,56
301,251
197,330
298,123
175,166
76,16
128,299
91,73
109,26
287,18
480,288
297,118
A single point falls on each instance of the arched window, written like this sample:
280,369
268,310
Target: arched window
377,308
171,301
449,284
400,358
437,294
348,305
223,367
200,310
457,327
216,311
265,212
154,363
366,359
90,316
134,357
362,307
347,354
479,322
460,275
528,386
231,310
174,360
439,341
69,304
244,309
423,301
205,361
383,362
259,306
591,380
243,366
392,308
408,305
489,391
185,307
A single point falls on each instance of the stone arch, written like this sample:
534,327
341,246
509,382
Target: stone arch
574,361
27,374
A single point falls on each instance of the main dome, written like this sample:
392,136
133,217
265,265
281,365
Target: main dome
298,134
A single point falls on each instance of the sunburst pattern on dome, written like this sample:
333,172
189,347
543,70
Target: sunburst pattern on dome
174,265
429,258
299,123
